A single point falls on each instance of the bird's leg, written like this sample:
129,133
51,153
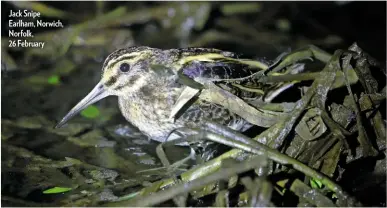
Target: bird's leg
211,131
195,135
185,136
171,168
170,141
163,157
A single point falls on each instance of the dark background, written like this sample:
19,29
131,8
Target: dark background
360,21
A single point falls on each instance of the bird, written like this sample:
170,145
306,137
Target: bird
148,82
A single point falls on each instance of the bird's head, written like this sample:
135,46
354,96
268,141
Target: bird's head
124,72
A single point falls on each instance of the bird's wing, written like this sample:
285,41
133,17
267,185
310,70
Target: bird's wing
215,64
220,68
217,70
203,111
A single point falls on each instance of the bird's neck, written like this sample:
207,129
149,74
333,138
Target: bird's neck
155,95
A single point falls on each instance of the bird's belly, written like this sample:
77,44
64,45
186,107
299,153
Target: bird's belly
151,119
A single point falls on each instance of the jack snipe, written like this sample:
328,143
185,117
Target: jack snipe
147,83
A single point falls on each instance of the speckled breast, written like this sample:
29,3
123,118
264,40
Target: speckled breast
151,117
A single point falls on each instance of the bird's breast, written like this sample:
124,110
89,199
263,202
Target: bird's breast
150,112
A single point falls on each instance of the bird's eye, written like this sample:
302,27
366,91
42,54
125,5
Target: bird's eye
124,67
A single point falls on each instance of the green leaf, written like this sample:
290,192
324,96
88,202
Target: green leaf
90,112
54,80
56,190
316,184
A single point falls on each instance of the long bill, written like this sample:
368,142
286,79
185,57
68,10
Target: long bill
95,95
